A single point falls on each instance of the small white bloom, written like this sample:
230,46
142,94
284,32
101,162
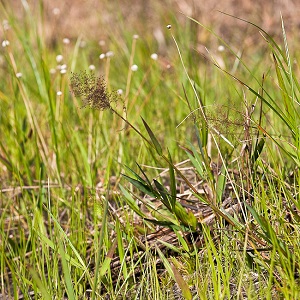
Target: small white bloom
56,11
169,26
154,56
5,43
102,56
119,91
135,36
221,48
92,67
63,71
82,44
134,68
63,67
101,43
59,93
59,58
5,25
52,71
66,41
109,54
19,75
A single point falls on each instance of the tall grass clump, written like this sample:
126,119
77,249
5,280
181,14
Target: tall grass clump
208,203
256,187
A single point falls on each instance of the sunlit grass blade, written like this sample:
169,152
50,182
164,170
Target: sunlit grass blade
120,248
221,182
187,218
154,140
40,284
67,274
131,202
172,182
108,258
83,265
186,293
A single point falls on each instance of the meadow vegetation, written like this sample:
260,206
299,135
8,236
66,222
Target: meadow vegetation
131,171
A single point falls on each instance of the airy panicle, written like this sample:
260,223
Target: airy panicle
92,90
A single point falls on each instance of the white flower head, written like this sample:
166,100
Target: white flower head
119,91
82,44
19,75
109,54
62,67
101,43
92,67
221,48
102,56
169,26
59,58
5,43
59,93
56,11
66,41
135,36
154,56
134,68
63,71
5,24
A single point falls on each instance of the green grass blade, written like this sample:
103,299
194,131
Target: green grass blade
172,182
141,186
154,140
221,183
186,293
67,274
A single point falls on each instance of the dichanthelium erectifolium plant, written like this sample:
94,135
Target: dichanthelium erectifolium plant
93,92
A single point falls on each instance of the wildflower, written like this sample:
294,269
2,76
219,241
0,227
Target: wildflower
119,91
169,26
62,68
19,75
134,68
56,11
66,41
59,58
221,48
92,90
5,43
102,56
5,25
59,93
63,71
154,56
135,36
82,44
109,54
92,67
101,43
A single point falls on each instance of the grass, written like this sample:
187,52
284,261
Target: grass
208,203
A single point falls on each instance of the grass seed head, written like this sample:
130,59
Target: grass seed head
92,90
